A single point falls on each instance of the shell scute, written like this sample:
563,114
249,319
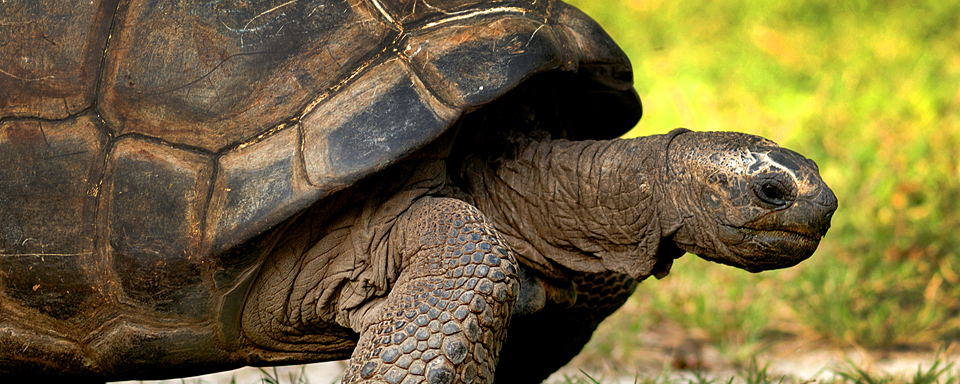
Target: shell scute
258,186
386,114
222,73
47,201
54,285
126,349
483,57
590,44
49,69
156,199
46,185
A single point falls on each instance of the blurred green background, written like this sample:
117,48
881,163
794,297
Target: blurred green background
868,89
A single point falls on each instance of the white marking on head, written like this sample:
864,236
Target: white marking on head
771,163
746,160
766,163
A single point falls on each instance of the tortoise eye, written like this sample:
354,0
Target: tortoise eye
772,192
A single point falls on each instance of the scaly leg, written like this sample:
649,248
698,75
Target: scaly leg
446,317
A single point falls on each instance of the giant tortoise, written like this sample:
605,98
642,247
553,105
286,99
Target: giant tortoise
430,188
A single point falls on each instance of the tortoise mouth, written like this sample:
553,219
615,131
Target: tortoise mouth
787,234
766,249
793,235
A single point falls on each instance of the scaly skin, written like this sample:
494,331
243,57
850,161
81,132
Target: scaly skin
446,318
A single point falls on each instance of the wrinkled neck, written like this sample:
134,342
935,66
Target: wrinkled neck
588,206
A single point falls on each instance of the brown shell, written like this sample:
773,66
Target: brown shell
142,140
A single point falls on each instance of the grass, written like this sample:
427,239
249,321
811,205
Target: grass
272,376
940,371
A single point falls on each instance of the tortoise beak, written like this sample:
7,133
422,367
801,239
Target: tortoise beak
791,235
810,215
827,202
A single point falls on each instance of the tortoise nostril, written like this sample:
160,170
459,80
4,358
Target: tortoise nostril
825,222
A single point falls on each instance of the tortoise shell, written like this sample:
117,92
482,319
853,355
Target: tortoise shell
143,141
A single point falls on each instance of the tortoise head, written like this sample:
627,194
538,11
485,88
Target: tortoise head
745,201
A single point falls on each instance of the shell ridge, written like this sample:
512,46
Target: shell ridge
160,141
102,72
205,246
430,88
101,265
332,90
472,13
386,15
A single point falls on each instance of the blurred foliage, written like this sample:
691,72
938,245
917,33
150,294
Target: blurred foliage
868,89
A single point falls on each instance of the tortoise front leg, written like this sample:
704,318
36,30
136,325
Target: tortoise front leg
445,319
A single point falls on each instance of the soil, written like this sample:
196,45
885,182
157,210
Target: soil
665,349
675,360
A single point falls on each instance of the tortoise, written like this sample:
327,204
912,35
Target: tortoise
193,187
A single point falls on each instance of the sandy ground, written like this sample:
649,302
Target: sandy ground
319,373
808,367
666,349
677,352
802,365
